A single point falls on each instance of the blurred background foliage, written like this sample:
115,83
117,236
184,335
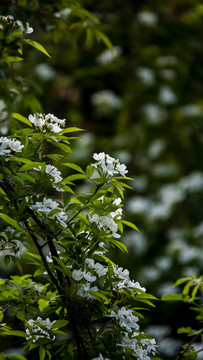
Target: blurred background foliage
141,102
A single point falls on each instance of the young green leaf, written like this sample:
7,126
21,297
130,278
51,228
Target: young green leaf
21,118
36,45
11,221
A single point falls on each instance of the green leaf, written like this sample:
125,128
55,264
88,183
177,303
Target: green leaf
7,260
74,177
104,38
10,221
41,353
130,224
37,46
63,147
20,357
119,245
83,12
59,324
172,297
70,129
184,330
15,333
42,304
21,118
74,166
89,170
10,59
181,281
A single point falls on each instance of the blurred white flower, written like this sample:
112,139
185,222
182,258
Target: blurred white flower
154,114
169,346
191,110
63,14
138,205
145,75
3,112
106,100
167,96
45,72
156,148
163,263
192,182
168,60
107,56
198,230
147,18
171,194
164,170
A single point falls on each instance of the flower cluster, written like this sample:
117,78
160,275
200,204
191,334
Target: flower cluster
84,288
47,122
128,322
93,271
35,332
46,206
105,223
23,28
123,281
8,145
55,174
126,319
109,165
141,348
100,269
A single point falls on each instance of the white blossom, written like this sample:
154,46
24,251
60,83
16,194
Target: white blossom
123,281
105,223
97,267
100,357
126,319
150,344
7,145
89,277
77,275
47,122
54,172
36,329
25,27
85,289
108,164
46,206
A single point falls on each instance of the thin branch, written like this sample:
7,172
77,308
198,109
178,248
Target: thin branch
180,355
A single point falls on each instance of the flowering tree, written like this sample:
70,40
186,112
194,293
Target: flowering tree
60,243
72,283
